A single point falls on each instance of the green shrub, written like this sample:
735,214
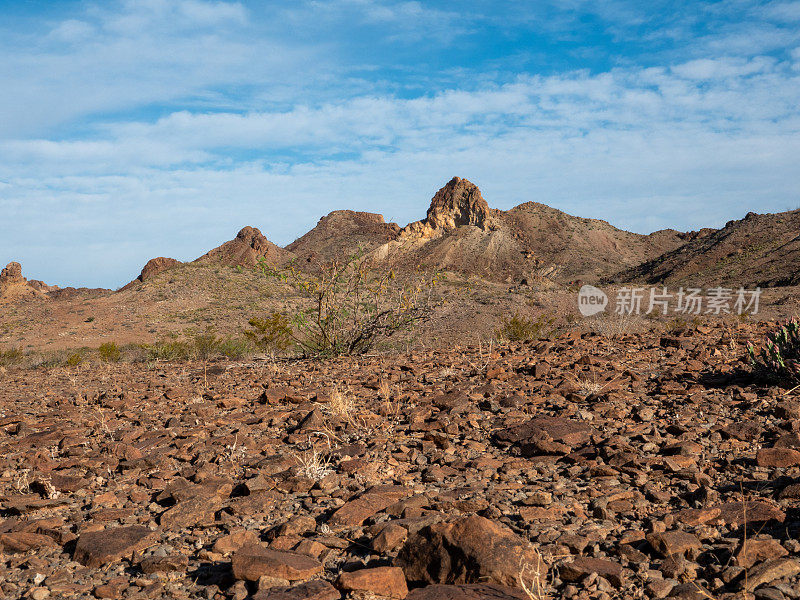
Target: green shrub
235,348
205,344
109,352
518,328
780,357
10,356
270,334
169,349
74,359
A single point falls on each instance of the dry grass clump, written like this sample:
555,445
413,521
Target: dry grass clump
519,328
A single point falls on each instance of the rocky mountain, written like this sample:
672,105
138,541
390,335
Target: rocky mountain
759,250
529,242
247,249
153,267
340,234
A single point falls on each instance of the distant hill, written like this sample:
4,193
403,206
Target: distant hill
759,250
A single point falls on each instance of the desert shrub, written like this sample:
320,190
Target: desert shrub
74,359
350,307
11,356
272,333
235,348
204,344
780,357
518,328
167,349
109,352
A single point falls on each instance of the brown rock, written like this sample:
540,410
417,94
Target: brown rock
381,581
153,267
778,457
457,204
770,571
390,538
176,563
371,502
735,514
99,548
754,551
584,566
251,562
21,541
675,542
469,550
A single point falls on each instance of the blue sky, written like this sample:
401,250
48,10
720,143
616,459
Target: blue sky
147,128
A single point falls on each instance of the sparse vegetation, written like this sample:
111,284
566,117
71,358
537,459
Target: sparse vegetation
271,334
779,359
519,328
109,352
10,357
351,307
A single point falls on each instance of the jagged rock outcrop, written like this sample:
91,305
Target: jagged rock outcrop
458,204
14,287
247,249
153,267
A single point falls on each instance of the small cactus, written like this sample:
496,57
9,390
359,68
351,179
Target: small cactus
780,357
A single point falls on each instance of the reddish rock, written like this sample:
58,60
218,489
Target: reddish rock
754,551
778,457
252,562
769,571
371,502
99,548
387,582
469,550
584,566
675,542
153,267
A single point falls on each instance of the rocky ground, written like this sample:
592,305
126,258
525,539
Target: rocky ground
637,466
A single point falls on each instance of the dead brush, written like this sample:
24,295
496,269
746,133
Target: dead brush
313,465
531,579
341,404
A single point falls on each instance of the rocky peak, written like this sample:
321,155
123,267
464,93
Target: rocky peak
11,274
458,203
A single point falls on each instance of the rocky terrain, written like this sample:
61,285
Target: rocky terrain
607,457
646,465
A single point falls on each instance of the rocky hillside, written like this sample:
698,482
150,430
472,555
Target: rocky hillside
759,250
530,242
247,249
341,233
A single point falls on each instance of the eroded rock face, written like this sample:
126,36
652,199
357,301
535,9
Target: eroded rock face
153,267
11,274
457,204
